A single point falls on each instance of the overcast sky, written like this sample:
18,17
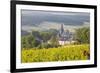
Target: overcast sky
30,17
39,18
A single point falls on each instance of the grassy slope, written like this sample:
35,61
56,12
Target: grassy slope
64,53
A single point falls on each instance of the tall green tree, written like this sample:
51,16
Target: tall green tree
28,41
83,35
45,36
54,41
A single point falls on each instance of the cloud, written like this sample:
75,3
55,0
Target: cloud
37,12
65,13
35,18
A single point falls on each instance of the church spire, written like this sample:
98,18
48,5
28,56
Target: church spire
62,28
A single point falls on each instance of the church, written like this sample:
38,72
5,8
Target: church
65,37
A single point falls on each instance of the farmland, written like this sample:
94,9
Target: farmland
61,53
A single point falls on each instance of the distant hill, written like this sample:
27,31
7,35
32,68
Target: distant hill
23,33
52,25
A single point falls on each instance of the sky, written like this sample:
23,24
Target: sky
31,19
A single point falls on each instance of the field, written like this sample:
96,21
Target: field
63,53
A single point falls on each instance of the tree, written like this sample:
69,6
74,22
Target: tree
54,41
23,42
45,36
31,41
83,35
28,41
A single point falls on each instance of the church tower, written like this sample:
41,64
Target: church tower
62,29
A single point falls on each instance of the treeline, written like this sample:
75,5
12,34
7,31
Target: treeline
49,39
43,39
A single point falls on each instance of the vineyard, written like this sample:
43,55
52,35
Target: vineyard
62,53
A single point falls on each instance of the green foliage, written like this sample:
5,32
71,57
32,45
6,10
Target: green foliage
83,35
54,41
24,42
45,45
45,36
29,41
63,53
